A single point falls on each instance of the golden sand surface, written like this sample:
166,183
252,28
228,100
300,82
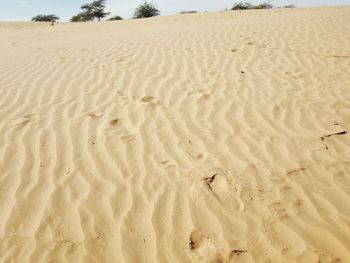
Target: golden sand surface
209,137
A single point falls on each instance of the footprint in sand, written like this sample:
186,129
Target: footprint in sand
218,183
196,239
204,249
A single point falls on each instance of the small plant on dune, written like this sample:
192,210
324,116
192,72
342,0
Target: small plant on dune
113,18
188,12
45,18
146,10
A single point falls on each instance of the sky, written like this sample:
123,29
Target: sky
19,10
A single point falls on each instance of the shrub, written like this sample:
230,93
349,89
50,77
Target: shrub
242,6
248,5
263,6
115,18
146,10
45,18
82,17
188,12
289,6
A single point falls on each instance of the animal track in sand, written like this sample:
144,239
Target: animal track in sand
296,171
148,99
116,122
239,251
95,114
200,156
167,164
121,59
341,56
128,137
24,120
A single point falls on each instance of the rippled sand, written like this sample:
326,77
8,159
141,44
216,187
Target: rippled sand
215,137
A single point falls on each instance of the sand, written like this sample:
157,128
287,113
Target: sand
214,137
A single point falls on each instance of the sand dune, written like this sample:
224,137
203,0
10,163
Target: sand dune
216,137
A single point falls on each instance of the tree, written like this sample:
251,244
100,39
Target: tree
45,18
146,10
115,18
96,9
